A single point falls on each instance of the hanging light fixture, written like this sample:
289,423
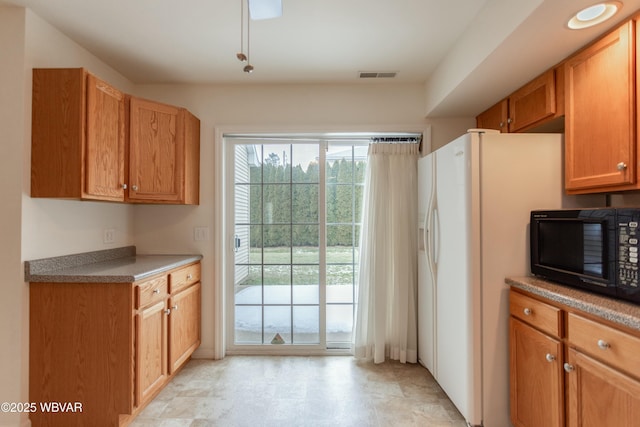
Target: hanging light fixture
257,9
240,55
248,68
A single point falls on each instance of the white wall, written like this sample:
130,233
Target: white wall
13,316
254,108
37,228
60,227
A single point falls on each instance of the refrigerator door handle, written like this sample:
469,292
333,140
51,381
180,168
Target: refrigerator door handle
436,237
425,235
430,240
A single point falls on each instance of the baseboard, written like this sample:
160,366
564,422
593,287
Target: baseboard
203,353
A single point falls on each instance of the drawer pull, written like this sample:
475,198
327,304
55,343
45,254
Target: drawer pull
527,312
550,357
156,291
189,276
603,344
568,367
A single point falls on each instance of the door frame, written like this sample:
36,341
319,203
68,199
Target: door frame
223,238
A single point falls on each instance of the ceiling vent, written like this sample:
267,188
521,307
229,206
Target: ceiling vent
376,75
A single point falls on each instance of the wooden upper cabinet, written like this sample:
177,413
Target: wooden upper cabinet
78,136
495,117
600,141
85,132
534,105
105,141
534,102
164,149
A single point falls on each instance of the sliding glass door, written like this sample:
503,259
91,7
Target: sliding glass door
296,213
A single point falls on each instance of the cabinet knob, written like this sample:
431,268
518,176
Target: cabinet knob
621,166
569,367
134,187
175,307
189,276
167,311
509,120
603,344
550,357
156,291
527,311
124,186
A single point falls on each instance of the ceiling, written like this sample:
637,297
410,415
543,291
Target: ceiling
468,53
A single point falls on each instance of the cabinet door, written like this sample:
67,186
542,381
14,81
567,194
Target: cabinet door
600,145
495,117
599,395
105,141
151,351
184,325
536,386
156,152
533,102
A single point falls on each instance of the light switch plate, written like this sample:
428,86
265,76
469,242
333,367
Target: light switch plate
109,235
200,233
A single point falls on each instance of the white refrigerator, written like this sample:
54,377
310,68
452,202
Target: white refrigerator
475,196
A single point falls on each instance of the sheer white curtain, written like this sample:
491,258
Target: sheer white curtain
386,308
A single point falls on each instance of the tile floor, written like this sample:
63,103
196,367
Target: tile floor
300,391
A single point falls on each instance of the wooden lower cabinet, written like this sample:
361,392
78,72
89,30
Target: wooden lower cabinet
80,350
108,347
600,395
536,377
184,325
584,375
151,351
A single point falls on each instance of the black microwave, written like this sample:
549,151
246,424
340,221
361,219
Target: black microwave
592,249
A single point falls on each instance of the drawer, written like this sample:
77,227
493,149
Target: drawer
612,346
536,313
184,277
151,291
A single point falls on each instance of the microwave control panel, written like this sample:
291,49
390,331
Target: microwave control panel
628,243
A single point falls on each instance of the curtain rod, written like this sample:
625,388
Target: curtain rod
380,137
398,140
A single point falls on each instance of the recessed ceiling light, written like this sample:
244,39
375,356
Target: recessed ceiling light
593,15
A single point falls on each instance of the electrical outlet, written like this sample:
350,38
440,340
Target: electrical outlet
109,235
200,233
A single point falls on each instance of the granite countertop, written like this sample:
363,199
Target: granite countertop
120,265
622,312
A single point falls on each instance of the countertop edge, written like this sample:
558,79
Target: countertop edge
617,311
104,267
